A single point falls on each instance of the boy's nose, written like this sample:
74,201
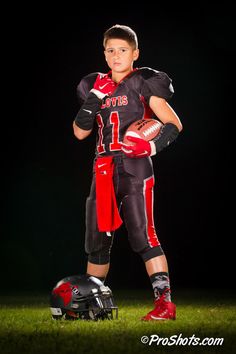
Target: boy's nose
117,54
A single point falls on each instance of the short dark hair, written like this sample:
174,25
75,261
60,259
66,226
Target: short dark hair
122,32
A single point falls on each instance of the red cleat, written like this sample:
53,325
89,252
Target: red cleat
164,310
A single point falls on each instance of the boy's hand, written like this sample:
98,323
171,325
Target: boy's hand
141,148
103,86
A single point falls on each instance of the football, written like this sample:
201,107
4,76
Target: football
146,129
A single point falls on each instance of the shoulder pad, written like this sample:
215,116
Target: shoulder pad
156,83
147,72
85,85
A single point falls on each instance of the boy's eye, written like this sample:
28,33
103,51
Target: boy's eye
120,51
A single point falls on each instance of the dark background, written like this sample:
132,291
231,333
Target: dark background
47,172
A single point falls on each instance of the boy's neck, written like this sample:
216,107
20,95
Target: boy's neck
117,77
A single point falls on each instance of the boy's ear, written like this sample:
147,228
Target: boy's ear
136,54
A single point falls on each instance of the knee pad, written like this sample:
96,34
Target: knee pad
99,258
141,231
151,253
97,244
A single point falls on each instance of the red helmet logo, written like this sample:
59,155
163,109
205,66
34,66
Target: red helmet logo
64,291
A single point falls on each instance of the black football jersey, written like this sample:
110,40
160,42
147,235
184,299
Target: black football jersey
128,103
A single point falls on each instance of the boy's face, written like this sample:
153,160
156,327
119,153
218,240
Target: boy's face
120,55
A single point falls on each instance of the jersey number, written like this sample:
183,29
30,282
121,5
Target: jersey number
115,122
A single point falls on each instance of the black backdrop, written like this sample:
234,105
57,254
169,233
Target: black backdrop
47,171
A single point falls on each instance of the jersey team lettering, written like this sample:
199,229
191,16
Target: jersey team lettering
115,101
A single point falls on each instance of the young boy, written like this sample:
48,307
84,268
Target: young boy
123,174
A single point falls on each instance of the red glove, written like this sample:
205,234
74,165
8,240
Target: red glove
141,148
103,86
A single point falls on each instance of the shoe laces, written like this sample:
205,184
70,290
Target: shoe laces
161,300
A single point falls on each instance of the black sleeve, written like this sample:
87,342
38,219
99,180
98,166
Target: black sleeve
86,115
167,135
156,83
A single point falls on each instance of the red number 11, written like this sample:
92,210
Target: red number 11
115,122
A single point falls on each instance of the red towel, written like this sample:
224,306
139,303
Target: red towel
108,216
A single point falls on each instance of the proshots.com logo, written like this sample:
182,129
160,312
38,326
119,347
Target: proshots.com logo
180,340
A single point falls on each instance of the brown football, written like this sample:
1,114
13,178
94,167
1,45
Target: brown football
146,129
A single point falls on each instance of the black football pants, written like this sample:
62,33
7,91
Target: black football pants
133,183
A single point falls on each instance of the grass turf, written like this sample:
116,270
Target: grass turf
26,326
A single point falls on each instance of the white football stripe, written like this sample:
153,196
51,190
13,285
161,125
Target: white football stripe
133,134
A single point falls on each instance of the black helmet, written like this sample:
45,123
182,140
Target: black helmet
82,297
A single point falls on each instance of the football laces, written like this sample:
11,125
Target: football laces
151,130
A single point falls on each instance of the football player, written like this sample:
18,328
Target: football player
123,174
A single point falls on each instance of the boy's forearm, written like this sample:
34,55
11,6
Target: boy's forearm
80,133
86,115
